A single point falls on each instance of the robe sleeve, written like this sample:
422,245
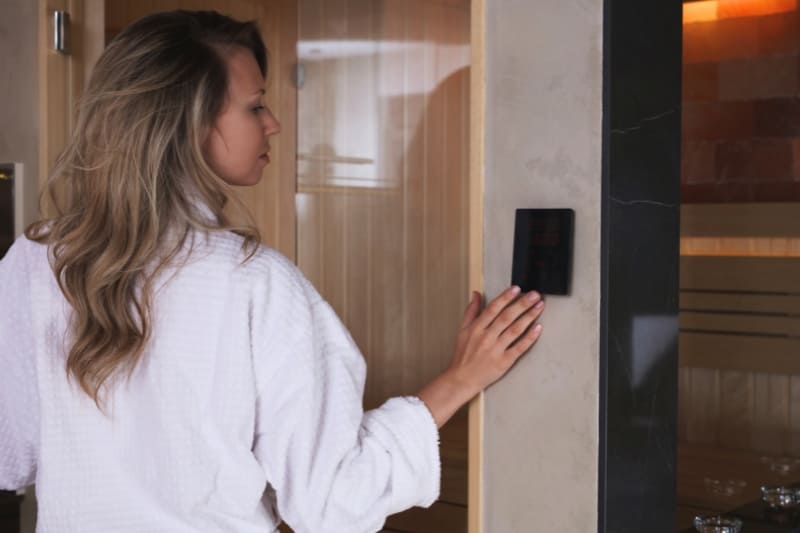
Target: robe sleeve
19,404
333,467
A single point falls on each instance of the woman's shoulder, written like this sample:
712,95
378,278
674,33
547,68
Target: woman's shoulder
25,250
258,264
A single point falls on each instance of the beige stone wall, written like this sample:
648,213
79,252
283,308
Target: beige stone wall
19,116
543,149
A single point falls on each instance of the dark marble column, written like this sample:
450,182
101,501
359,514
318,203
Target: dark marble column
640,251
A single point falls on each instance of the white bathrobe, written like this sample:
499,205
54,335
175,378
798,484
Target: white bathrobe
245,409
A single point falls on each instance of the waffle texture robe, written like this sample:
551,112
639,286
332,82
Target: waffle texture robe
245,409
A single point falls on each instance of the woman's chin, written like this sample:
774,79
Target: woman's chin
244,181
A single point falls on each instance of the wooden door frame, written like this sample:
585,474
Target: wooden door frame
88,20
477,133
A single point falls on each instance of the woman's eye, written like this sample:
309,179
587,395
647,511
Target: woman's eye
258,109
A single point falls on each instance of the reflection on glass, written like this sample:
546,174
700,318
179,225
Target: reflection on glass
382,194
739,392
382,177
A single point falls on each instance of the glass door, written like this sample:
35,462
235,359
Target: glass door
382,195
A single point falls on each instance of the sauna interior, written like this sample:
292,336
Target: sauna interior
739,377
368,186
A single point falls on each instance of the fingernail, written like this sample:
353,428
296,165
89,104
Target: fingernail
533,296
514,289
539,305
537,328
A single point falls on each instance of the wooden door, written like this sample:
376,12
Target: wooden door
394,255
383,197
63,75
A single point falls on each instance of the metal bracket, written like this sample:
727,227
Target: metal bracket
61,32
299,75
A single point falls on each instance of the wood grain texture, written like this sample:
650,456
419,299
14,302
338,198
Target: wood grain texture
477,164
736,274
740,350
383,182
383,196
742,220
56,99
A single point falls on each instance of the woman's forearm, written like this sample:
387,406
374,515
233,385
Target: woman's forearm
445,395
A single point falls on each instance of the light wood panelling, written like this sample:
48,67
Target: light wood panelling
383,178
383,196
62,76
785,304
741,246
741,220
740,353
271,202
741,274
749,323
55,99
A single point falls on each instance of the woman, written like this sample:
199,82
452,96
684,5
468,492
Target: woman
161,371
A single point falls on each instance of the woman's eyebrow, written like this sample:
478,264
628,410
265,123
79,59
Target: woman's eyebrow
261,91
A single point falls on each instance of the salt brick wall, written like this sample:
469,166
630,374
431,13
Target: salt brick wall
741,110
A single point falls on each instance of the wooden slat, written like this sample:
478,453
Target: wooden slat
736,408
754,303
794,416
771,414
392,255
475,220
453,449
751,274
741,246
439,518
684,402
740,352
741,323
741,220
704,401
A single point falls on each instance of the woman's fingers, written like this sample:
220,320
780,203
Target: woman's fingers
496,307
522,323
524,343
472,311
513,311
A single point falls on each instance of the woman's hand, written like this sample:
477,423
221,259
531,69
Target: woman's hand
487,346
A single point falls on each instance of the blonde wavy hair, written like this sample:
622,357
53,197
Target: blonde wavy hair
132,186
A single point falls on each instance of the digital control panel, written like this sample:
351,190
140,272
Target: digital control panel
543,250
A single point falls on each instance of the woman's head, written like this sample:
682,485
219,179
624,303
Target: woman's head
163,128
161,87
237,146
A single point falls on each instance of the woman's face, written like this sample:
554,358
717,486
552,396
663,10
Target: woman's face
237,148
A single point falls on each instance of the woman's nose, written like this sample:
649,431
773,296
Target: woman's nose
271,124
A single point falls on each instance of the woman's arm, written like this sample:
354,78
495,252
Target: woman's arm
487,346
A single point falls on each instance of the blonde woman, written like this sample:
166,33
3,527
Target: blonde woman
160,371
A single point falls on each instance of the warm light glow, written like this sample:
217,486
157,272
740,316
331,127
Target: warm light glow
708,10
699,11
741,246
753,8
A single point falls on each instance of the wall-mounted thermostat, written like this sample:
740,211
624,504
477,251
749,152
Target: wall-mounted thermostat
543,250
